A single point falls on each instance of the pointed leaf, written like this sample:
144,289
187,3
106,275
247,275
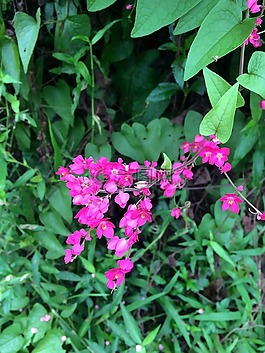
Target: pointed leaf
27,30
221,252
151,336
255,79
220,119
97,5
221,32
131,325
102,31
153,15
194,17
217,87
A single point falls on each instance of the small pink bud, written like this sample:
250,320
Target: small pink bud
240,188
262,104
34,330
200,311
63,338
107,343
129,7
96,306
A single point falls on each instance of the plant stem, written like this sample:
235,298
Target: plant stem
92,92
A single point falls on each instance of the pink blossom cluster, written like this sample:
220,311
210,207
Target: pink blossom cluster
93,184
254,37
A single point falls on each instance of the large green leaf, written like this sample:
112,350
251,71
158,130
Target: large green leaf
255,79
27,30
59,99
217,87
131,325
11,340
140,142
51,341
153,15
49,241
195,16
53,222
220,119
97,5
221,32
61,202
10,60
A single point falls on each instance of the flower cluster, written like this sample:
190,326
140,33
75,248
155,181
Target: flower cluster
93,184
254,37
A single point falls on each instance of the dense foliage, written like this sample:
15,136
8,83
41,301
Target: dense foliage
115,79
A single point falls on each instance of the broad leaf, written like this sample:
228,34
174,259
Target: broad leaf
51,243
97,5
217,87
153,15
221,32
220,119
10,60
11,340
61,202
51,340
27,30
195,16
139,142
102,31
255,79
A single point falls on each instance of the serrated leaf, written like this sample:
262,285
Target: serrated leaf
255,79
153,15
27,30
97,5
217,87
194,17
221,32
220,119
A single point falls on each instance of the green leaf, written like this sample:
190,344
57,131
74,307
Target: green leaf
221,32
222,316
49,241
140,143
56,149
102,31
217,87
61,201
255,79
11,340
191,125
52,339
53,221
21,181
131,325
167,164
163,91
87,265
153,15
59,99
221,252
194,17
98,151
220,119
151,336
69,310
66,30
10,60
97,5
27,30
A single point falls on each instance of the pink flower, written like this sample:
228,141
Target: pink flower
75,237
254,39
129,7
126,265
68,256
63,172
240,188
120,246
230,201
116,276
176,212
253,6
105,228
122,198
262,104
261,217
77,249
226,168
258,21
110,186
219,156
